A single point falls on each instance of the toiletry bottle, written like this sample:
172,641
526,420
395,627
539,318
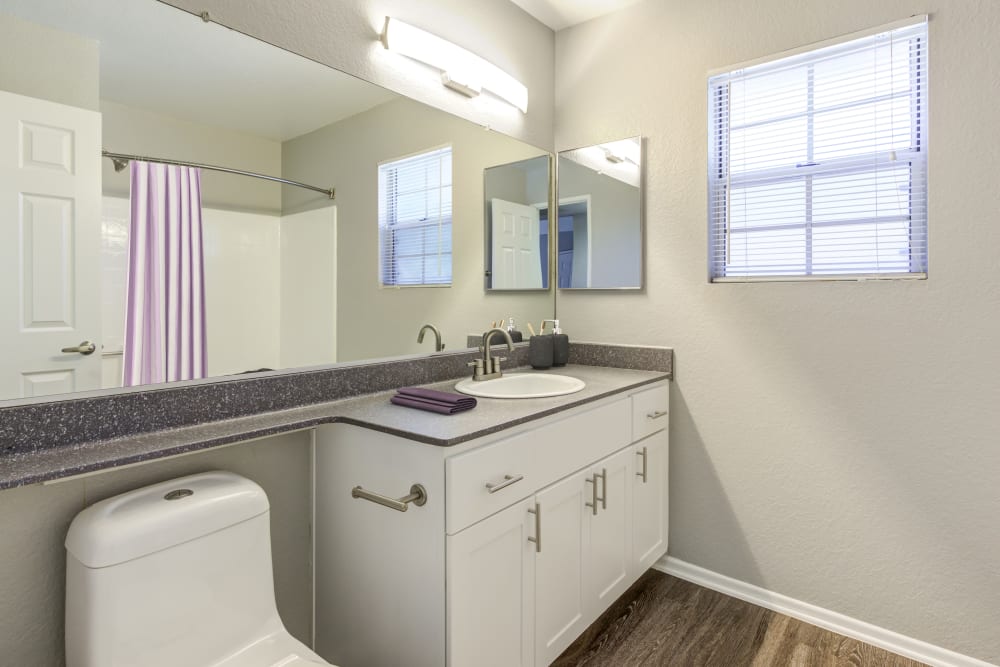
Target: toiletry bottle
515,335
560,345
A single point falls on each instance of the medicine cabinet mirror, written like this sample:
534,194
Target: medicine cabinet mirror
291,277
600,217
517,233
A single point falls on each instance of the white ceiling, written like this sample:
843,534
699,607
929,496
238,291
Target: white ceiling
159,58
559,14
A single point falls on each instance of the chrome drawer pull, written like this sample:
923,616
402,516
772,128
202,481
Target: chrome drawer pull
604,479
644,453
507,481
417,496
657,414
537,539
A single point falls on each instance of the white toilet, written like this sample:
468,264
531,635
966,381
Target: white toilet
177,573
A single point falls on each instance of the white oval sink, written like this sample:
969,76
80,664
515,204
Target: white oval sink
521,385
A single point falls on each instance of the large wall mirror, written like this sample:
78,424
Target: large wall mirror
291,278
600,216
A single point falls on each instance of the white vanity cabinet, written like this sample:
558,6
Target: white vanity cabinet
527,536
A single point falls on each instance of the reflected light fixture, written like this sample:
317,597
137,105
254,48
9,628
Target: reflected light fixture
461,70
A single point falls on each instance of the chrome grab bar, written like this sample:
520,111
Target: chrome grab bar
656,415
644,453
507,481
86,347
537,539
417,496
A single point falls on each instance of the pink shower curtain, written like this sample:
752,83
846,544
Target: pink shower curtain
165,304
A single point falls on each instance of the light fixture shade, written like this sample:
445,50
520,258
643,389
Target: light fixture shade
460,65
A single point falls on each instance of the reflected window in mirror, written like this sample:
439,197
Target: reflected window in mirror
414,220
600,216
516,225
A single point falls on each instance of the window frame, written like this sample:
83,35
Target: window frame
722,183
387,233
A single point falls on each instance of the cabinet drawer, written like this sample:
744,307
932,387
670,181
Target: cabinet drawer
650,411
539,457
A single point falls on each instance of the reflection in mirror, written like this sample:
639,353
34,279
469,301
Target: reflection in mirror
290,278
517,233
600,216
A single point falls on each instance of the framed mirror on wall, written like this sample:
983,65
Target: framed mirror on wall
516,201
291,278
600,216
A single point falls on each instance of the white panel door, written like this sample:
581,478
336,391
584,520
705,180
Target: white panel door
491,582
650,500
516,252
609,554
50,234
560,580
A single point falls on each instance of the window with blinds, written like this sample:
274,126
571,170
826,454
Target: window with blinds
414,219
818,162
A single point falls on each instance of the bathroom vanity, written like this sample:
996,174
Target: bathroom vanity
527,535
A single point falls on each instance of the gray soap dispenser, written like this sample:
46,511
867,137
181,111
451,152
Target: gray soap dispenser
560,344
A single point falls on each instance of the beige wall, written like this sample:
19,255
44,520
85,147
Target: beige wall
48,64
34,520
374,321
833,441
344,34
145,132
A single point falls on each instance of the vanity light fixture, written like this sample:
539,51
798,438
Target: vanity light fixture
461,70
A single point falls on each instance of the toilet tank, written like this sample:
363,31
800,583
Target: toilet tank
178,573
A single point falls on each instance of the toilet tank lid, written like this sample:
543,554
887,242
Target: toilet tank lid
153,518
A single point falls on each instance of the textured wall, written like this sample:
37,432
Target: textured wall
344,34
833,441
49,64
34,520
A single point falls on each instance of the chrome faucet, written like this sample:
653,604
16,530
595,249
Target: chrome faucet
438,345
488,367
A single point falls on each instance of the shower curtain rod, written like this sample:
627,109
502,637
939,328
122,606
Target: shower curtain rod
121,160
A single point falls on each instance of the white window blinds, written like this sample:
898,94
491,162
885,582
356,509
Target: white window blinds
414,219
818,162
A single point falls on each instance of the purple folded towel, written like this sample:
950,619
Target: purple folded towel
442,402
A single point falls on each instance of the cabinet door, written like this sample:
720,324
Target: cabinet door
608,557
491,583
560,589
650,500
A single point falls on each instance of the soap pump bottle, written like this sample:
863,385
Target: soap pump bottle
560,344
515,335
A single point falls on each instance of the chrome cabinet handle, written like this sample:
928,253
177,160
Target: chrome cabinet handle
85,348
507,481
537,539
417,496
593,493
604,485
644,453
657,414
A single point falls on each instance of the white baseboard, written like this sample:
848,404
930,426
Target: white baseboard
824,618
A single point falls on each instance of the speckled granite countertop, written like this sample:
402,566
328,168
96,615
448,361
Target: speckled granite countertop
370,411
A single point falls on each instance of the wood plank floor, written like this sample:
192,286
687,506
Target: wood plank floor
662,620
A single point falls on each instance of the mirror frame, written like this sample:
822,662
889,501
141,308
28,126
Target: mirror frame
641,287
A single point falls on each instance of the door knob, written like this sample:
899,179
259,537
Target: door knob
86,347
